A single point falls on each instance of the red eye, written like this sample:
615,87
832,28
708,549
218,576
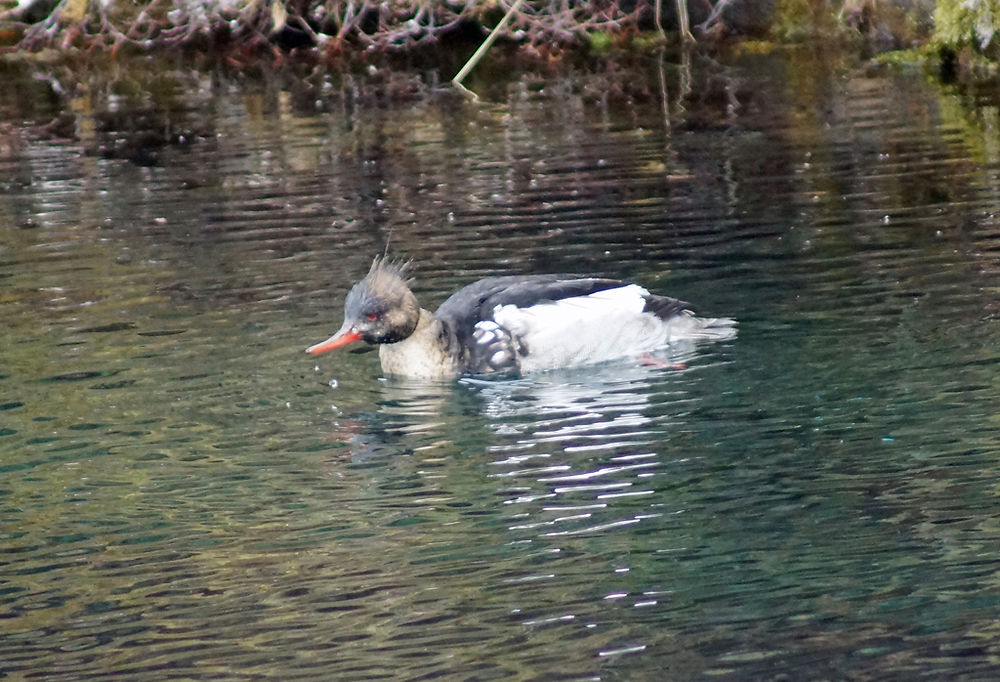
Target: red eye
372,317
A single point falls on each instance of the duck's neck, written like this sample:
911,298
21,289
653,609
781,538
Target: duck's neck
422,355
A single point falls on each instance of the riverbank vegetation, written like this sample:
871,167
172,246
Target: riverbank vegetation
331,27
338,28
959,36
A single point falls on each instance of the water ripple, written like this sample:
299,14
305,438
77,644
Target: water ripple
185,493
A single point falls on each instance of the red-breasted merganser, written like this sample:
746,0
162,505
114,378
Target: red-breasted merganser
512,324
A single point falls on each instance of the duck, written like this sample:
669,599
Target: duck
512,324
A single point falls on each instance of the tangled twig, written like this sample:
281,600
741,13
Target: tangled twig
390,25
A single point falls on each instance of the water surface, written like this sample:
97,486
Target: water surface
184,493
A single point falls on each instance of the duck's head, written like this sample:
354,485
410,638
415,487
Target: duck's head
379,309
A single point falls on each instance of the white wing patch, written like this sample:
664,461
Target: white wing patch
584,329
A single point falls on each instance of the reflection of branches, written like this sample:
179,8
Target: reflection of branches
683,87
381,24
715,16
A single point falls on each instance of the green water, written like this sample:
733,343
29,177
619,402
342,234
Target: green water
185,494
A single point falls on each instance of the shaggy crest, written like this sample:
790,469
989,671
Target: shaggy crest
387,273
386,281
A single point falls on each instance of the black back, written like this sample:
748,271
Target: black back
476,302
